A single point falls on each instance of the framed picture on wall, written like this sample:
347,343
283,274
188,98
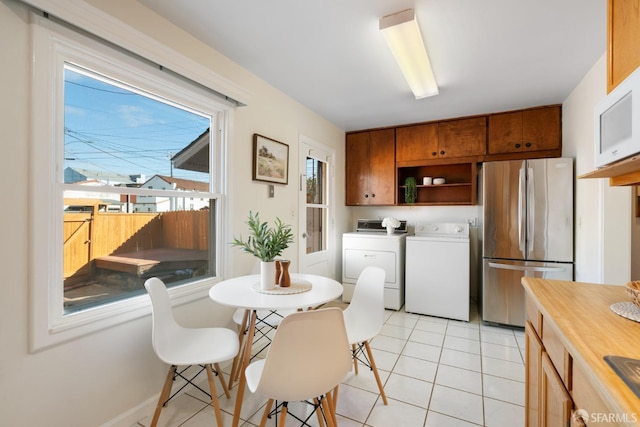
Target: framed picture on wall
270,160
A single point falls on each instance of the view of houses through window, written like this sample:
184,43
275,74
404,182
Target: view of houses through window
138,200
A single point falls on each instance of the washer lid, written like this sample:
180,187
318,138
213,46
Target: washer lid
442,229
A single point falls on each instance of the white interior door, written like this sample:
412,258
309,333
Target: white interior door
316,181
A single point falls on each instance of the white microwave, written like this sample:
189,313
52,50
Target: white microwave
617,122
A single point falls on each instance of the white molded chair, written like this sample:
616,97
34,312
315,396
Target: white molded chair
267,321
308,357
184,347
364,318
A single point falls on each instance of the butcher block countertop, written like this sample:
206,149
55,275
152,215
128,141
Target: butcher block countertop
589,330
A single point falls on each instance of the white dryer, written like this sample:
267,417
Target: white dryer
437,279
371,245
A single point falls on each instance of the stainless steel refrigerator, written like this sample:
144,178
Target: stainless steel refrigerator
527,230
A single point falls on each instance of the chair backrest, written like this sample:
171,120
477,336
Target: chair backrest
164,324
309,355
366,308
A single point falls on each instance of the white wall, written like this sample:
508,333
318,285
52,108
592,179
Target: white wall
99,377
602,213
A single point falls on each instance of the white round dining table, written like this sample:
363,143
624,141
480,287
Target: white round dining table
243,292
240,292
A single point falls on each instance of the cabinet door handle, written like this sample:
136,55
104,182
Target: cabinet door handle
517,145
528,144
373,194
366,195
434,153
442,152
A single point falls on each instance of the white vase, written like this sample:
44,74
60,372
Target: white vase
267,275
390,229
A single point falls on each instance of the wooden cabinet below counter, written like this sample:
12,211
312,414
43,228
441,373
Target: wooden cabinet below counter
569,329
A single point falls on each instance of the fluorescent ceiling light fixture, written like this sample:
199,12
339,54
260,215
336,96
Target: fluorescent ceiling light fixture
403,36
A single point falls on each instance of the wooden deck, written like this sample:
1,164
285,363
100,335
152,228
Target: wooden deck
150,261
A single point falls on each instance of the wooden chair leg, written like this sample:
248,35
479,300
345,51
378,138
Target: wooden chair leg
375,372
222,380
164,394
319,410
238,359
334,394
283,414
331,400
331,416
355,359
265,415
214,395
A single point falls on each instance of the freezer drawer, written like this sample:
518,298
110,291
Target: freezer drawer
502,299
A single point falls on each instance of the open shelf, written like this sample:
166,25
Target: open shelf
459,187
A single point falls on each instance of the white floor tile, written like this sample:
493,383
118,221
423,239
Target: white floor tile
503,368
512,354
462,344
503,389
365,379
457,404
394,345
422,351
502,414
416,368
426,337
406,320
461,359
463,332
461,379
431,325
396,413
498,338
384,360
396,331
355,403
410,390
435,419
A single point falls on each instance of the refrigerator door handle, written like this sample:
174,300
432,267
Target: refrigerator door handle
521,212
527,268
531,209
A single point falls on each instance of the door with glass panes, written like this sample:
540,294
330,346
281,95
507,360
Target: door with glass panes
315,213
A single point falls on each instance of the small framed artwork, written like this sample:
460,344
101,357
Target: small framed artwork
270,160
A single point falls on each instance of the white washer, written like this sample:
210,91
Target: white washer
437,270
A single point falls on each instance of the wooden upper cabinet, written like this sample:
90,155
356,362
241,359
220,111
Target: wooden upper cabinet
449,139
527,130
623,39
418,142
370,168
462,138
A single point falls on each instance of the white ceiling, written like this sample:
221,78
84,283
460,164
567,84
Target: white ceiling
487,55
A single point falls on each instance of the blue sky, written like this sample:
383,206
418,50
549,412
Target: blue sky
110,129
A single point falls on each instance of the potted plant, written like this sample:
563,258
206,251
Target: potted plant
265,243
410,190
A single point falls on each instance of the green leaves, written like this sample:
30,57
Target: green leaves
265,242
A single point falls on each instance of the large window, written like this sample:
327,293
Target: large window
126,183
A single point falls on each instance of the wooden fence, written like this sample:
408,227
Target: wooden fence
92,234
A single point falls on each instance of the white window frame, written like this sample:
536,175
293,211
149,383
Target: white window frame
53,45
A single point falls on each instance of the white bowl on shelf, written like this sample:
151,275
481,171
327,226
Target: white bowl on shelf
438,181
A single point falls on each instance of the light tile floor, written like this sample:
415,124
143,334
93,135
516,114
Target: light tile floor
437,373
